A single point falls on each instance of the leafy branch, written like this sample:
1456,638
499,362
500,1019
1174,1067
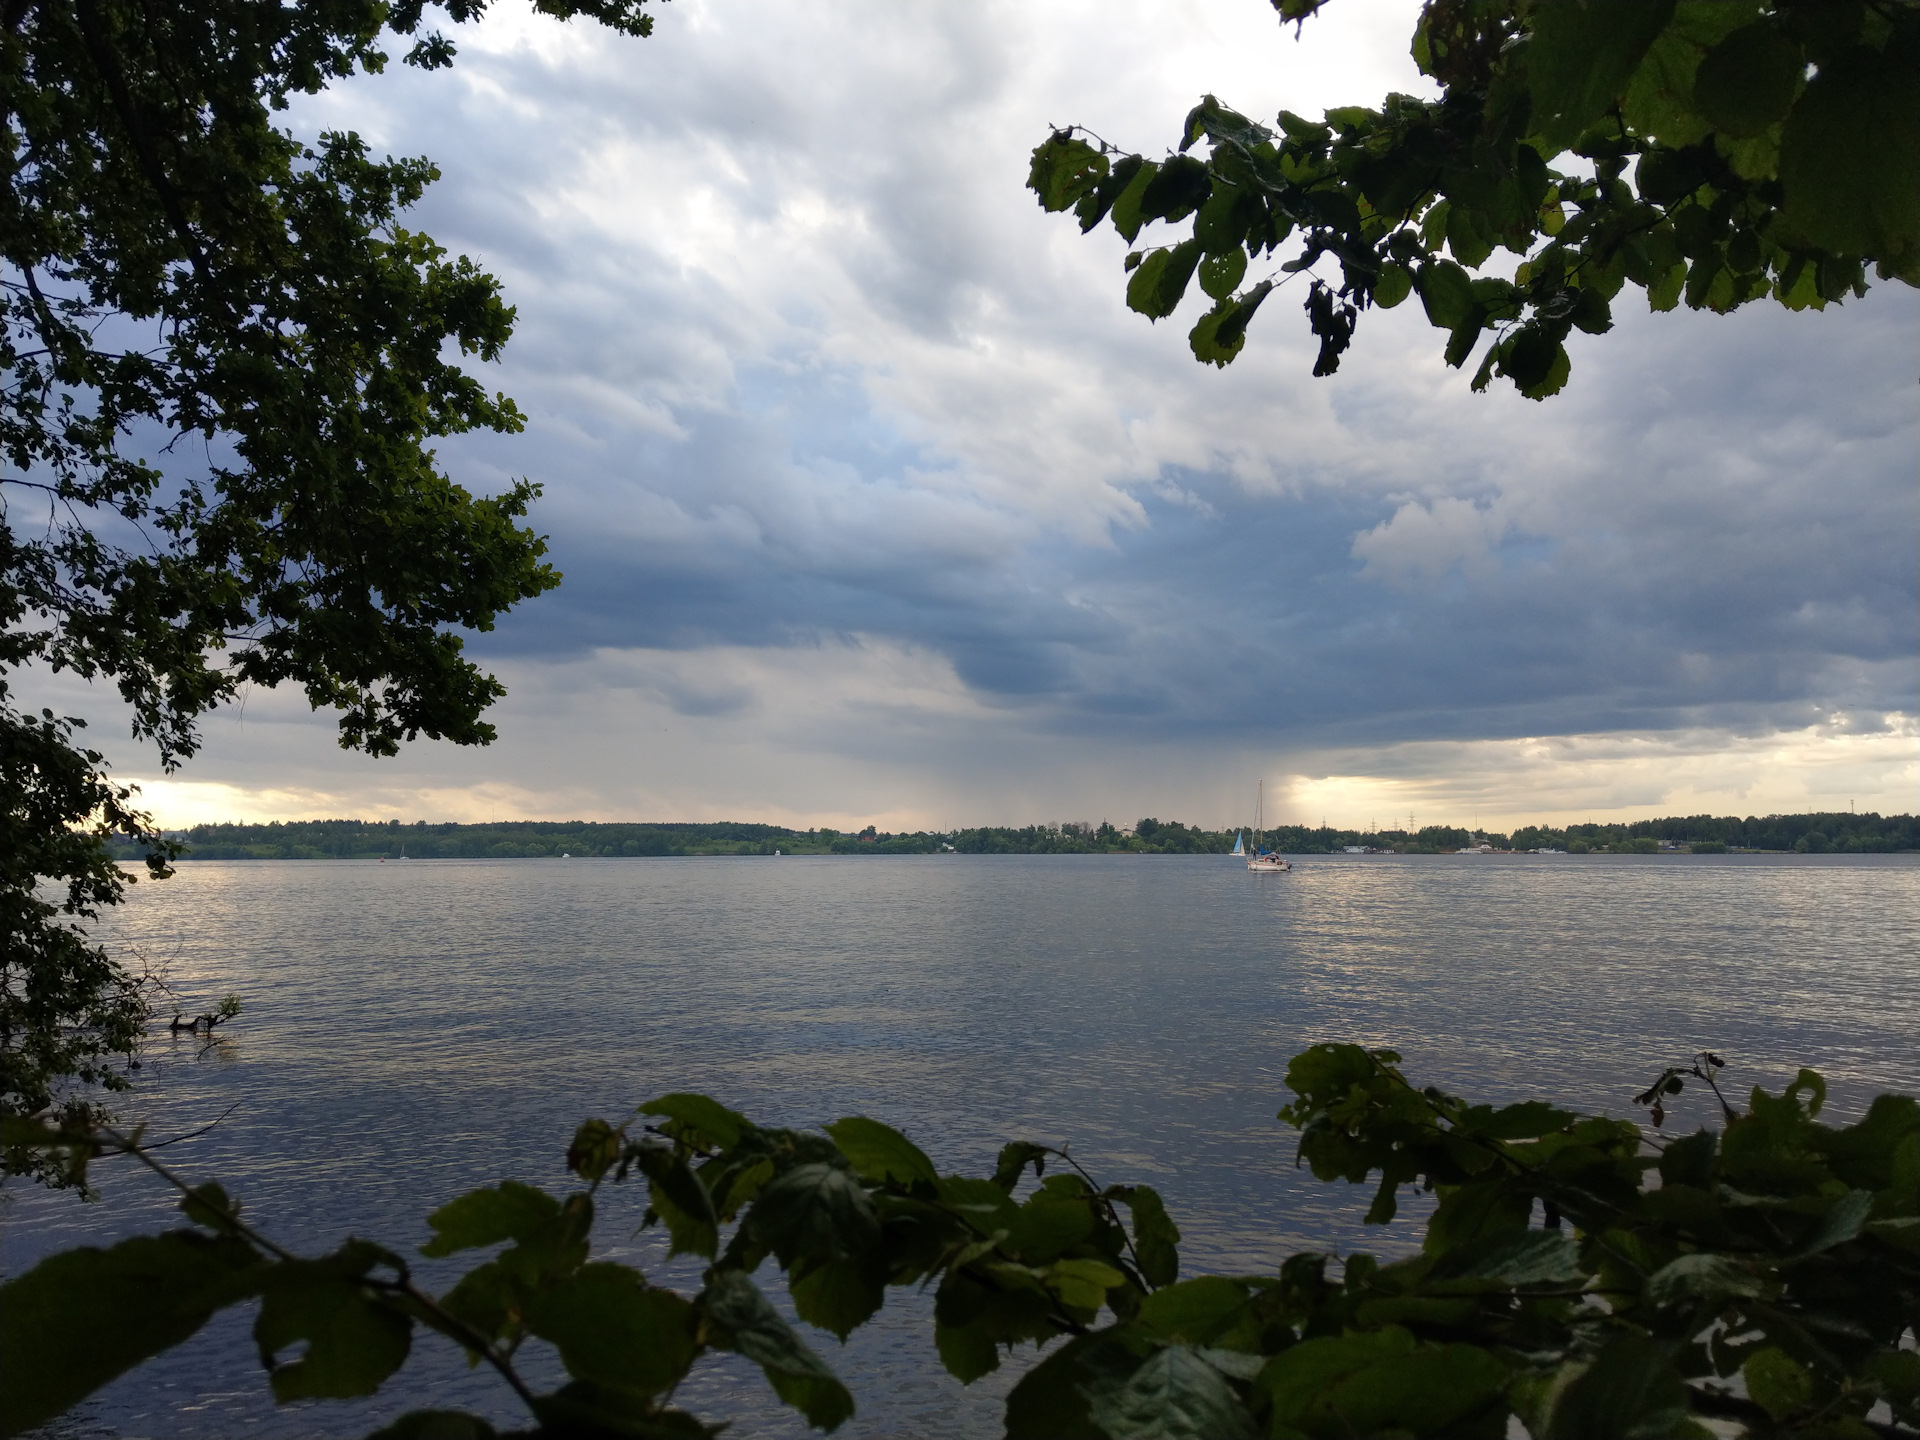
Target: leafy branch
1778,1249
1772,149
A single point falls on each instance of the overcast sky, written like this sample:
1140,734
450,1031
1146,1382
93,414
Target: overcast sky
875,502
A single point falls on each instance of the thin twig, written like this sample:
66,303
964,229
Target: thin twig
194,1134
457,1328
1112,1214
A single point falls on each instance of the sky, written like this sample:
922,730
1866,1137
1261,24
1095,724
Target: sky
876,505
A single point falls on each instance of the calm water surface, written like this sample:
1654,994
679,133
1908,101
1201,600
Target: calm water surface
413,1031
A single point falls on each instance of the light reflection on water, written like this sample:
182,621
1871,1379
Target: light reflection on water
413,1031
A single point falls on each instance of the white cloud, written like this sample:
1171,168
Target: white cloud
1422,541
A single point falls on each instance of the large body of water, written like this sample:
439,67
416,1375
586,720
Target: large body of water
413,1031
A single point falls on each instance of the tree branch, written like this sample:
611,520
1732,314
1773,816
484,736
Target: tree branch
108,66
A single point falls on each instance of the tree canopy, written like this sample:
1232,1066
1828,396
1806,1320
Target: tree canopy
223,363
1715,152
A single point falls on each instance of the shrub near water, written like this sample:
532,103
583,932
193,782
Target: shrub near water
1579,1272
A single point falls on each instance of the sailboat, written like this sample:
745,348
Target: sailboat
1263,859
1238,848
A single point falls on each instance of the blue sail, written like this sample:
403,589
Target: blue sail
1238,848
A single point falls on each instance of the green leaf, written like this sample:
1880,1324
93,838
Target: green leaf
1223,126
1197,1310
82,1317
1533,1257
1747,82
1902,1234
1064,169
742,1319
1689,1160
1095,204
592,1408
1527,1120
1221,223
1702,276
487,1298
1047,1225
594,1151
994,1304
1174,1395
1469,236
1155,1237
1484,375
1221,333
967,1351
1630,1392
1703,1276
1221,274
1050,1401
838,1295
1482,1211
1591,312
1304,131
1777,1382
879,1152
1127,218
436,1425
814,1213
1664,293
509,1211
1529,359
1143,290
1301,1377
1882,1152
681,1200
1659,101
208,1205
1850,156
1234,1364
1580,59
1464,337
983,1202
1555,378
1015,1157
1158,285
1897,1374
698,1119
1841,1223
1393,286
355,1339
1447,292
1176,190
610,1325
1083,1283
1376,1382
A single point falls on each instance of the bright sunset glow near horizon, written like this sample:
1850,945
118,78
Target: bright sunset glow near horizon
876,504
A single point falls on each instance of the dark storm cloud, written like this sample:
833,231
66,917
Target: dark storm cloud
801,360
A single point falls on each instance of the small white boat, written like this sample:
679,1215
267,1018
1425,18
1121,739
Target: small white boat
1263,860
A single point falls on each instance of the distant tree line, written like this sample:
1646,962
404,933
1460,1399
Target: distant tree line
1841,833
1822,833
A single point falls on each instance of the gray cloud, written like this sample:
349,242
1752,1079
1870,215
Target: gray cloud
805,367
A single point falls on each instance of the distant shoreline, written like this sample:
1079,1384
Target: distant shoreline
1814,833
